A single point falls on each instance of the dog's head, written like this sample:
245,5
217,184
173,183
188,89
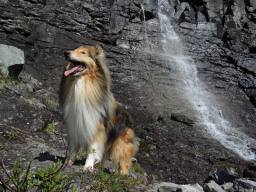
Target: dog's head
83,60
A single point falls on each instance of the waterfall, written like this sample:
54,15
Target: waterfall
146,46
204,103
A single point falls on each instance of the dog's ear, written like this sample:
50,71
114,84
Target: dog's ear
99,48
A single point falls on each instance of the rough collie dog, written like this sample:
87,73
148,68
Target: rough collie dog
95,121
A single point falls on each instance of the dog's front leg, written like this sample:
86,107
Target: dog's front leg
96,149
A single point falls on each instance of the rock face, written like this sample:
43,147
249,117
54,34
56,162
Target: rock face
218,35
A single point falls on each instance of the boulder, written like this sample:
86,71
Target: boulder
250,172
251,3
252,166
212,186
244,185
11,60
172,187
182,118
221,177
214,10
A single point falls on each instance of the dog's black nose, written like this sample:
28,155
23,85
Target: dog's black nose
67,54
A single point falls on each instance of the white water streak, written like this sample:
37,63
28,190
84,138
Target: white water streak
145,28
203,101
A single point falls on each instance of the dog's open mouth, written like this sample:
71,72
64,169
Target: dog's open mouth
77,67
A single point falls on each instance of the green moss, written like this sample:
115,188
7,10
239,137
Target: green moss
50,128
113,182
10,80
52,102
13,134
137,168
29,19
94,21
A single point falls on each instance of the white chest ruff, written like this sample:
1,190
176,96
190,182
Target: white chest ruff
81,115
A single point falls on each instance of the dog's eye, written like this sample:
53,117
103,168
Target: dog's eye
83,52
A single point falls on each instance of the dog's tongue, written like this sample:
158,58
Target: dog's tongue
72,70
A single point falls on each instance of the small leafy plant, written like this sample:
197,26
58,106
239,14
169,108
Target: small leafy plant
47,179
11,80
113,182
137,168
52,179
13,134
53,103
50,128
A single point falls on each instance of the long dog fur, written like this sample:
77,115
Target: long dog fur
92,116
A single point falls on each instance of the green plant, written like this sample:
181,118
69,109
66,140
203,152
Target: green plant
137,168
11,80
50,128
47,179
18,179
113,182
13,134
29,19
52,179
52,102
94,21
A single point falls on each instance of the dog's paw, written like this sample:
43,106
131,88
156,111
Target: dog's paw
88,169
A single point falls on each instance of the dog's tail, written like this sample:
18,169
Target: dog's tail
123,150
124,144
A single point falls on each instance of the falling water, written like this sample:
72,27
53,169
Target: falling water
145,28
203,102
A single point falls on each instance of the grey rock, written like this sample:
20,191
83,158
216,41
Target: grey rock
243,185
227,186
27,87
207,26
182,118
222,177
201,17
37,124
238,11
249,173
181,8
23,113
172,187
230,23
252,166
11,56
251,26
247,64
214,10
187,25
212,186
251,3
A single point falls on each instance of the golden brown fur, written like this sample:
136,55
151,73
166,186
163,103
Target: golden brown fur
93,118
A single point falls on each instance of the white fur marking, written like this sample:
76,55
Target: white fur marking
81,116
94,157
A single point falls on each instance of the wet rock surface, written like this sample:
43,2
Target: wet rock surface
143,81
